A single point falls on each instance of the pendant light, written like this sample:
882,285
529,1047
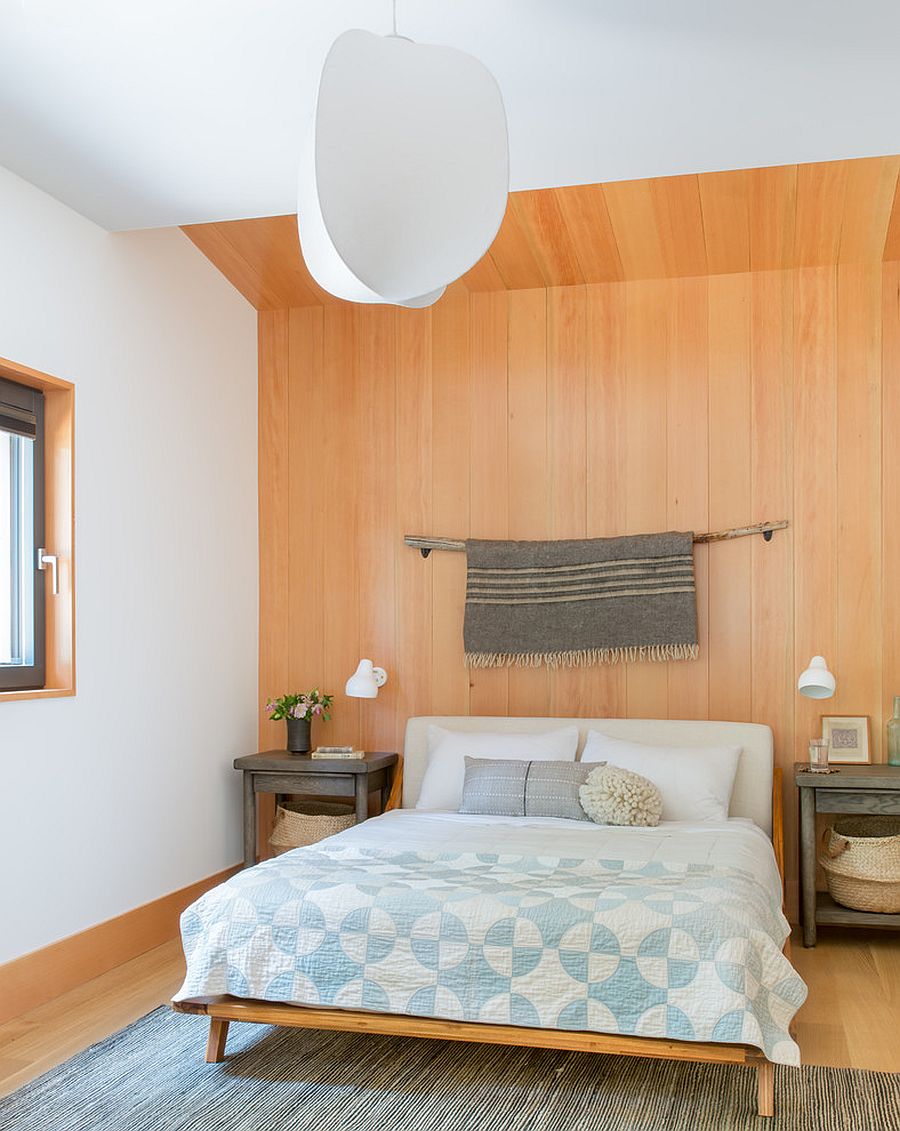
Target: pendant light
405,171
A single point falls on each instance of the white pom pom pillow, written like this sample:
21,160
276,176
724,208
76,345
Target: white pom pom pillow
613,796
696,782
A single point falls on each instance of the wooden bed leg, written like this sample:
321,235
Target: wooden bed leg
765,1085
218,1035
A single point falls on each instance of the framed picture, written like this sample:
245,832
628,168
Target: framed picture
848,738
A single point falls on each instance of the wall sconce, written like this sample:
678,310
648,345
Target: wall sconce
816,682
365,681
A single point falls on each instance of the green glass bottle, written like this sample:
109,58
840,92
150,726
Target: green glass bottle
893,735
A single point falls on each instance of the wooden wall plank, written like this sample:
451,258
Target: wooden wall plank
274,494
687,471
513,256
725,205
859,502
529,495
606,454
773,663
820,213
566,415
868,200
377,544
219,251
261,258
679,224
337,482
890,471
451,471
632,213
543,223
484,276
489,478
567,456
414,598
276,246
584,210
646,362
729,563
307,416
815,483
773,217
891,250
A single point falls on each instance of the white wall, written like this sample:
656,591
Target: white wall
125,792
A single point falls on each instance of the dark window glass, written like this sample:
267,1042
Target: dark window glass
21,536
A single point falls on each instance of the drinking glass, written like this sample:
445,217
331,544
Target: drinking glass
818,755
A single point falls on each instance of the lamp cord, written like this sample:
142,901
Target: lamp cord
394,10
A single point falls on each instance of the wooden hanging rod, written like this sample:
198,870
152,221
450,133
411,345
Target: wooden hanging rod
426,545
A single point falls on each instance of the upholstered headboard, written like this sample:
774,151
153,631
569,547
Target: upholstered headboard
752,795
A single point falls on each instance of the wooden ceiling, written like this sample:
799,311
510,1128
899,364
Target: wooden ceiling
665,227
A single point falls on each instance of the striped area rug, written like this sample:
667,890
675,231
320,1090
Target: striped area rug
152,1077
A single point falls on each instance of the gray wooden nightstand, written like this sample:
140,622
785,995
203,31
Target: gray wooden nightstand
278,771
848,789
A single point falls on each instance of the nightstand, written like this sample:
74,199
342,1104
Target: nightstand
280,772
847,789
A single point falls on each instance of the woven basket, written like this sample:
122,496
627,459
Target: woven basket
861,859
304,822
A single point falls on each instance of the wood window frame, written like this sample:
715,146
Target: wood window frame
59,527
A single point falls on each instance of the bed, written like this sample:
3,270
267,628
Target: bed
664,942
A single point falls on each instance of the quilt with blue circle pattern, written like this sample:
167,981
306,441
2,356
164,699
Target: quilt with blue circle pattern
684,951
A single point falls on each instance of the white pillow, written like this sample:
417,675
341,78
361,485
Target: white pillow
442,785
695,781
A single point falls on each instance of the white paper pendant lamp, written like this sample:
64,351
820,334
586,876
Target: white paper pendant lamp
405,174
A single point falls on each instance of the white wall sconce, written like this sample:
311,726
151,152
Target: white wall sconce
816,682
365,681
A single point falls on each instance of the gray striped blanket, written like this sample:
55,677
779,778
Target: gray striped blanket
584,601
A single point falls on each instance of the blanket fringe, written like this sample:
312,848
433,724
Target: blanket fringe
583,657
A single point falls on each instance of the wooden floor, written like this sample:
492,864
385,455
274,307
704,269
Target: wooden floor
850,1017
849,1020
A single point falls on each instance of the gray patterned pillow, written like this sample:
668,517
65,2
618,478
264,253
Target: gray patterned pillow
508,787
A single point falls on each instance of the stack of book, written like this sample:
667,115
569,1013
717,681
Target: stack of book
337,752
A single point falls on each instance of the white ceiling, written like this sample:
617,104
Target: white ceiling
141,113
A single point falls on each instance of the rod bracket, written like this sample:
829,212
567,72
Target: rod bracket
425,551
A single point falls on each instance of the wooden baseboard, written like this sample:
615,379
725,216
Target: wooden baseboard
42,975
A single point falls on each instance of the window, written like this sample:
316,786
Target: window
22,613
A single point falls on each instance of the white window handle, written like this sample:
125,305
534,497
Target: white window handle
52,560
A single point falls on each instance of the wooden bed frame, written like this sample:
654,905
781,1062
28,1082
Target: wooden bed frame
223,1010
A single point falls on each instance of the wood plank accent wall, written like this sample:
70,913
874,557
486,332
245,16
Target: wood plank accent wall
597,409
